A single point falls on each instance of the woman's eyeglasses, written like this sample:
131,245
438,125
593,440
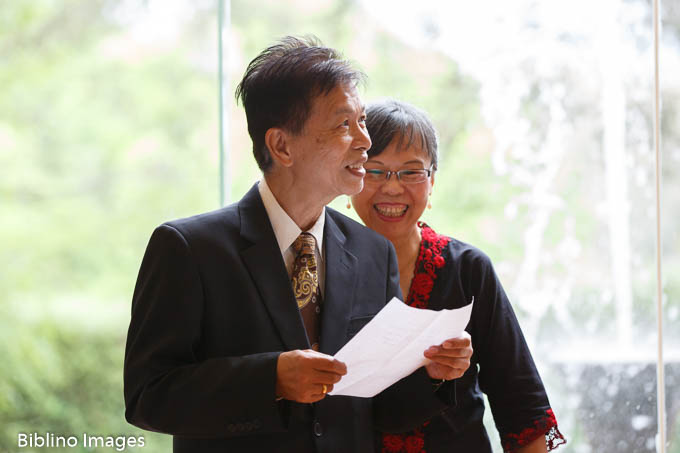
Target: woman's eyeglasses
407,176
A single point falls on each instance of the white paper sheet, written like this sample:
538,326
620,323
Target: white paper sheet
391,346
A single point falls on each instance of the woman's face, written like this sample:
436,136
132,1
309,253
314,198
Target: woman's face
392,207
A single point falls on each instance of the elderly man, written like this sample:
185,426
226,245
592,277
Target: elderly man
236,313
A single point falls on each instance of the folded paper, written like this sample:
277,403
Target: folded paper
391,346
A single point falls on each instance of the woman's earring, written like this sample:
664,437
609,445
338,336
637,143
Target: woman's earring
349,203
429,203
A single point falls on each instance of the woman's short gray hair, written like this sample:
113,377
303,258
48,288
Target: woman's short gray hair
388,120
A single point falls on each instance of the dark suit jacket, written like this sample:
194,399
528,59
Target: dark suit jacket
212,310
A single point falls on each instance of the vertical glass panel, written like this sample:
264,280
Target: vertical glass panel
566,96
108,127
670,147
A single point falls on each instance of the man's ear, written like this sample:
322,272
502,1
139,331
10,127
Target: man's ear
277,141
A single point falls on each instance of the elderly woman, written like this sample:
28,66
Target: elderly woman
439,272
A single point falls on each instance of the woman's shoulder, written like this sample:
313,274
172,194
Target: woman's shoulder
458,251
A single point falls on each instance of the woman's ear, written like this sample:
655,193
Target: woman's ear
277,141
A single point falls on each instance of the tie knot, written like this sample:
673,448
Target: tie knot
304,244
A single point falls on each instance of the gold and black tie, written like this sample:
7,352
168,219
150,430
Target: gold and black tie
305,280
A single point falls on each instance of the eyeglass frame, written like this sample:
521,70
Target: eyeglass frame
388,174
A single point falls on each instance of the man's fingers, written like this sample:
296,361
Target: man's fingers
312,380
325,388
329,366
325,377
317,393
449,362
463,341
438,371
452,352
450,359
302,375
449,352
324,362
450,344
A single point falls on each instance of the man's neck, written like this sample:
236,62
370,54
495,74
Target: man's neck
301,205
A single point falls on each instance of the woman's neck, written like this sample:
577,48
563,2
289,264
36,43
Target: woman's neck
407,249
408,246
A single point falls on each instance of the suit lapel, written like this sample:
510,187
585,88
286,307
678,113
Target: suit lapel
341,268
266,267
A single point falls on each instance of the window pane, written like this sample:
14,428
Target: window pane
108,127
670,146
545,116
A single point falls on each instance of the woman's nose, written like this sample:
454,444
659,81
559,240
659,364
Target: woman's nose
393,185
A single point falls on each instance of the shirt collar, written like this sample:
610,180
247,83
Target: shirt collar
285,229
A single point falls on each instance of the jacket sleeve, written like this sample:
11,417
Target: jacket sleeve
168,386
410,402
507,373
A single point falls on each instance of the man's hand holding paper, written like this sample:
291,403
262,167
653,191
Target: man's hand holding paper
450,359
306,376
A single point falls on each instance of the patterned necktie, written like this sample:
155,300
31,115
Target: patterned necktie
305,280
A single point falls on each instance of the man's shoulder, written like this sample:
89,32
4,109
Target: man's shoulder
223,220
354,231
227,218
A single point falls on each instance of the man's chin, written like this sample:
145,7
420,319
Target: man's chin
354,189
349,189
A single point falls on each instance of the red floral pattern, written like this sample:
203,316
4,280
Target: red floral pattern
425,273
429,261
392,443
413,442
546,425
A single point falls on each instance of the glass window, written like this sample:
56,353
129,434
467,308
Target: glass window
670,206
545,116
109,125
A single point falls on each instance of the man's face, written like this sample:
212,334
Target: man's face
329,153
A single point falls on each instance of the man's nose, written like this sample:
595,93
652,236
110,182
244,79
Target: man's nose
362,140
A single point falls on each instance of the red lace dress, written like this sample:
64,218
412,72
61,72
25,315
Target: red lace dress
456,271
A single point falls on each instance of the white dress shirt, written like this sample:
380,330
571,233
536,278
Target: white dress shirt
287,231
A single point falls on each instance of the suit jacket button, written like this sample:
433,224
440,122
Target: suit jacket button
317,429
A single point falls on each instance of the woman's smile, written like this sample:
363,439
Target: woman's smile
391,212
